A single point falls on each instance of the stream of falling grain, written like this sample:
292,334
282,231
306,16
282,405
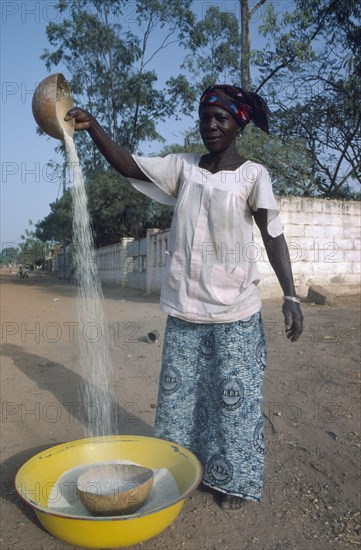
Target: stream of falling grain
95,359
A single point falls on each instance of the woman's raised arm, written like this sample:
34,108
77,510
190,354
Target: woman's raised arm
114,153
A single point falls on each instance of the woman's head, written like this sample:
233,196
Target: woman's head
218,128
243,106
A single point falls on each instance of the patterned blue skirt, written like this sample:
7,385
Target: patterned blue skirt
210,400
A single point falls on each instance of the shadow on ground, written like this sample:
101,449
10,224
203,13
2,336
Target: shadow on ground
61,287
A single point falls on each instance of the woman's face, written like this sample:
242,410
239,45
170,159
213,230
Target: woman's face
218,128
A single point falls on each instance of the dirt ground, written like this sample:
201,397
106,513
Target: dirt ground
311,406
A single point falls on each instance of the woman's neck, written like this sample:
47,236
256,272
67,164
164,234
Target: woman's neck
225,160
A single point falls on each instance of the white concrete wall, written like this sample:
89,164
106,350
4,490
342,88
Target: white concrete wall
157,247
113,262
137,273
324,242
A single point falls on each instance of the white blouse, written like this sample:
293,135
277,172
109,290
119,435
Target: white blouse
210,274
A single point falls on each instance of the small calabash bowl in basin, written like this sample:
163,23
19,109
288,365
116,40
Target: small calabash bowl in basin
114,489
38,477
52,99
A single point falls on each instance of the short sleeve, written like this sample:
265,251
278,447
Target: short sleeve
164,173
261,196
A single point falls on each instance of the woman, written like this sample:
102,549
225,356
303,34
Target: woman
214,356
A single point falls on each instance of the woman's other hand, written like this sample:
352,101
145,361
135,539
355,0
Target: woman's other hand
293,320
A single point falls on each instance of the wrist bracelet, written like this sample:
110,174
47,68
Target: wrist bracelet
292,299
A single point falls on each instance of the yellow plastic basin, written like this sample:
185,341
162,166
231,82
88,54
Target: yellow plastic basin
37,477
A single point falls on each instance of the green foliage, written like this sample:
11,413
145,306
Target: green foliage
311,70
32,250
109,65
57,225
116,209
287,161
159,216
331,134
214,44
107,46
9,255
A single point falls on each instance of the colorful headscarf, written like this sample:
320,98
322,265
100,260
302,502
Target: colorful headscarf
243,106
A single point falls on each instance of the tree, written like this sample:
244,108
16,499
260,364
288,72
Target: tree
309,72
159,216
110,65
57,225
220,47
32,250
213,43
332,136
116,210
246,16
112,77
311,69
9,255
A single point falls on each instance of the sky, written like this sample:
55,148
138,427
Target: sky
27,187
25,193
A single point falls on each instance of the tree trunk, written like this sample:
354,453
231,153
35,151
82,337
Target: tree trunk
245,46
111,72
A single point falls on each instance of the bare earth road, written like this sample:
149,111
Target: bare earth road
311,406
